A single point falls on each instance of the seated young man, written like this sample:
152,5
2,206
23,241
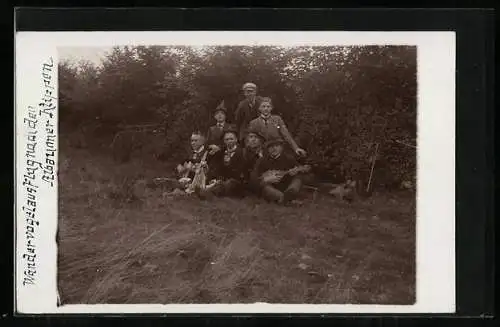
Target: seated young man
272,126
278,175
199,155
254,149
228,168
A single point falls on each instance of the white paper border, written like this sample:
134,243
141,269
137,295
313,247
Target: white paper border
435,289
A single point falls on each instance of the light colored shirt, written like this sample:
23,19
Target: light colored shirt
200,149
228,154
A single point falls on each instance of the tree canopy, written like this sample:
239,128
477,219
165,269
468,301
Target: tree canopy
339,102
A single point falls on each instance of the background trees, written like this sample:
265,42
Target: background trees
339,102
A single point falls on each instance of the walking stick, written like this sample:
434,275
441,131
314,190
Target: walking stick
373,166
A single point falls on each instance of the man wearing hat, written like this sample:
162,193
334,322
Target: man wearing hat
228,167
254,149
276,174
247,109
215,132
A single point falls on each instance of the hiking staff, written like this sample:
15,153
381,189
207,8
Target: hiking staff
373,166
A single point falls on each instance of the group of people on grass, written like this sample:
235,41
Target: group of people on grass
255,154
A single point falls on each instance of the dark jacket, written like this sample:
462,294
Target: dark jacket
215,133
272,128
244,114
250,158
233,169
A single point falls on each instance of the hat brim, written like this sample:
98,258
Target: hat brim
229,131
249,86
274,142
256,134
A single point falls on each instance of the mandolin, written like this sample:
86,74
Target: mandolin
274,176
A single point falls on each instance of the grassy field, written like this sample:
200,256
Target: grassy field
122,242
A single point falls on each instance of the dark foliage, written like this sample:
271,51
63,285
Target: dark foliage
341,103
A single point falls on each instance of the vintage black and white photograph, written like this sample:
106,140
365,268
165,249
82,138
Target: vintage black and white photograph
237,174
251,172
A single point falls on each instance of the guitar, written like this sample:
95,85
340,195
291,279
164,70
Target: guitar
274,176
200,175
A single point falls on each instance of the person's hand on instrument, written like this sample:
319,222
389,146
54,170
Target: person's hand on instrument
213,148
271,176
279,176
184,181
189,166
301,152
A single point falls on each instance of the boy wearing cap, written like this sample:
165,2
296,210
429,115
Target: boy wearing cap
215,132
247,109
228,168
276,174
272,126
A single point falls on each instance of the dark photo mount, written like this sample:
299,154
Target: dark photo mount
474,103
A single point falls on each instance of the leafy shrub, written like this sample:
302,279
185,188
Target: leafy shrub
339,102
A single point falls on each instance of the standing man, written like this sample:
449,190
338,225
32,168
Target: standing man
247,109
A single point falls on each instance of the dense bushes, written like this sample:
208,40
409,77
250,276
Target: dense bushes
339,102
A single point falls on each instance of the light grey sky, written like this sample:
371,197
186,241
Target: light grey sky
75,54
93,54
